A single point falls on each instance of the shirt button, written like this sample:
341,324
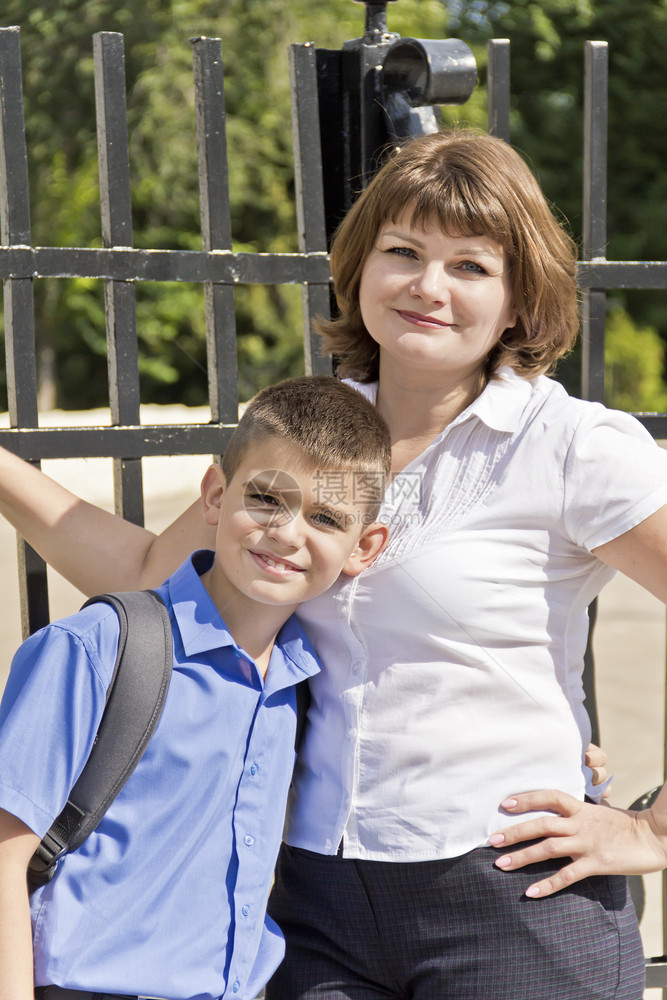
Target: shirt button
254,768
236,986
248,840
349,733
356,668
245,910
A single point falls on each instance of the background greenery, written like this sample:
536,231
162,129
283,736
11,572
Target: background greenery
547,71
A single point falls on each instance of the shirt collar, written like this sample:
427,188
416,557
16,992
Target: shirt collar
202,627
499,406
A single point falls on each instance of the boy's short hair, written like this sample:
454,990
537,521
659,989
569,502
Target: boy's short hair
333,425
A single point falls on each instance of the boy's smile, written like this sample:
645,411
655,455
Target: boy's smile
282,537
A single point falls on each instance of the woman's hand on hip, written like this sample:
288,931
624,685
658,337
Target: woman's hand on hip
599,839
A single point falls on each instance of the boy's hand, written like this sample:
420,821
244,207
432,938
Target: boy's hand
600,839
596,759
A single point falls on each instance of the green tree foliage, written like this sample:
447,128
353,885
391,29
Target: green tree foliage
56,40
634,359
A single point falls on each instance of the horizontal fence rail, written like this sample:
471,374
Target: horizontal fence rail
121,264
227,268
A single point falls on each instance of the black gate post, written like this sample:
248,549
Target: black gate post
378,90
19,303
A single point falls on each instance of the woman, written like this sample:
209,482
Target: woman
452,668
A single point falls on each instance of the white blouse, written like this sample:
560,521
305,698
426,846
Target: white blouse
452,667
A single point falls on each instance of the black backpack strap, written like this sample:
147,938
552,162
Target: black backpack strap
134,704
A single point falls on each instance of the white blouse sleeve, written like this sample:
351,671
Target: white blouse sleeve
615,477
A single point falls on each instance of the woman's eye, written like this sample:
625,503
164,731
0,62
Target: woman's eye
472,267
401,251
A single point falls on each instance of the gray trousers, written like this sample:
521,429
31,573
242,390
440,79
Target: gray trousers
458,929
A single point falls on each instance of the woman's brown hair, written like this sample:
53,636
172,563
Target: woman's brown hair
471,184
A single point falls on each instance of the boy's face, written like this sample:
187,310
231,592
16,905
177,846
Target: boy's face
284,537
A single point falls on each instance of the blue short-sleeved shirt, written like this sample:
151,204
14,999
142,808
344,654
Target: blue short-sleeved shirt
167,897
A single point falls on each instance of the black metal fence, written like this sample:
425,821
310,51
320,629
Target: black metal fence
377,88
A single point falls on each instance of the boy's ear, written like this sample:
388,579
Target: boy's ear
213,485
373,539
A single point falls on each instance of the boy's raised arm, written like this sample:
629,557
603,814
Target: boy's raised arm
17,845
93,549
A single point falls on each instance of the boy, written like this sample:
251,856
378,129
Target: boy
167,897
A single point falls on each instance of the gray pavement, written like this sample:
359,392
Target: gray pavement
630,637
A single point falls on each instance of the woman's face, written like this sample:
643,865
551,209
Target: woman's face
432,301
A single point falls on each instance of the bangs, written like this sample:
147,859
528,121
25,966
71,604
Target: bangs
459,207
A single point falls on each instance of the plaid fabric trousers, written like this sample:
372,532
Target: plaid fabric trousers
457,929
60,993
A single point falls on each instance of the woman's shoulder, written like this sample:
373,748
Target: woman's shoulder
551,403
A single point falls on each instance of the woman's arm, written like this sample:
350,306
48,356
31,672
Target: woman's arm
93,549
17,845
641,554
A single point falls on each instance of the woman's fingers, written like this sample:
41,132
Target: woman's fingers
545,799
561,879
600,840
552,833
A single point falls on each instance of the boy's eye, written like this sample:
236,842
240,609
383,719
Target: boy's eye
263,499
326,520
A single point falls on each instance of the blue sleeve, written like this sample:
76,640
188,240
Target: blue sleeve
50,711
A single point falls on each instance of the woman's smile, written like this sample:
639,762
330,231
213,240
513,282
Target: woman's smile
433,300
420,319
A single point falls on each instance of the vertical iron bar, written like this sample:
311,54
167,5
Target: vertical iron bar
364,118
498,87
595,214
19,303
216,226
120,297
309,193
594,300
376,17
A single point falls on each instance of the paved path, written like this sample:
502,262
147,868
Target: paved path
630,637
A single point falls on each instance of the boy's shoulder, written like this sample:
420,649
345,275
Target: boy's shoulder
92,633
